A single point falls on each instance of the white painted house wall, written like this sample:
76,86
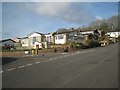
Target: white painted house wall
59,40
25,42
37,36
113,34
48,37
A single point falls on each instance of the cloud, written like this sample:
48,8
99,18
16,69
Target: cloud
49,9
67,11
98,18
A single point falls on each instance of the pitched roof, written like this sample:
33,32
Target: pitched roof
35,32
7,40
18,38
24,37
62,30
67,31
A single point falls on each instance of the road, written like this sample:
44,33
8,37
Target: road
90,68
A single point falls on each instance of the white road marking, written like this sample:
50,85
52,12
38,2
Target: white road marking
21,66
1,71
10,69
64,53
37,62
28,64
51,59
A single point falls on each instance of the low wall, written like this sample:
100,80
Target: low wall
12,54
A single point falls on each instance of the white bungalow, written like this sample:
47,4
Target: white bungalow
68,36
35,40
61,38
113,34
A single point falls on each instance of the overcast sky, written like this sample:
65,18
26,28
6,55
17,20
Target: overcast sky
21,18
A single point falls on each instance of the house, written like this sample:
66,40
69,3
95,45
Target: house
113,35
74,35
33,40
60,38
67,35
7,44
95,34
49,38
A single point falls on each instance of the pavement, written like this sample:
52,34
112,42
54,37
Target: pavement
89,68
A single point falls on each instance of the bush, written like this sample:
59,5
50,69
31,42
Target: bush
93,43
72,44
76,45
90,44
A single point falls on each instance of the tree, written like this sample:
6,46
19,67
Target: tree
103,24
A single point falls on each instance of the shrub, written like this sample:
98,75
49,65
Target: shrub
84,46
93,43
72,44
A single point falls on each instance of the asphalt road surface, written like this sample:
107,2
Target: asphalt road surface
90,68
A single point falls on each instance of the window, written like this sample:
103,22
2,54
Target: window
60,37
34,40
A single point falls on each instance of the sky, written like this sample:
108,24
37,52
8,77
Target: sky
21,18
